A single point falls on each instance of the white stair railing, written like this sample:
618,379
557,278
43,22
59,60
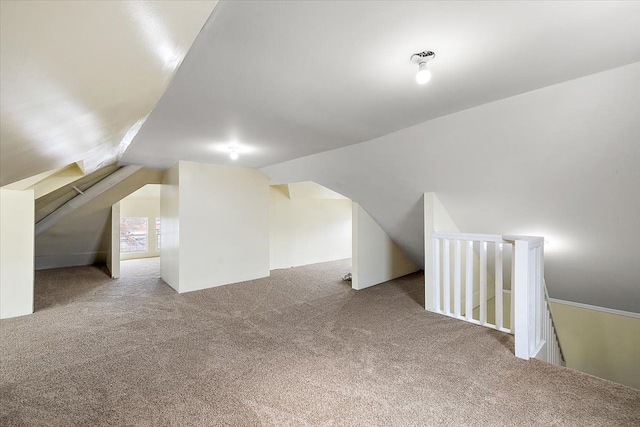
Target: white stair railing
469,272
449,272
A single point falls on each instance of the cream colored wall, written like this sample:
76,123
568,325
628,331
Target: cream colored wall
308,230
170,230
65,176
602,344
218,217
16,252
143,203
376,258
311,190
77,76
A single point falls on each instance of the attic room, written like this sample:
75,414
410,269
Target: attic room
319,213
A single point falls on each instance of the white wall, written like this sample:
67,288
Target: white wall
144,203
559,162
220,230
16,252
307,229
170,230
376,258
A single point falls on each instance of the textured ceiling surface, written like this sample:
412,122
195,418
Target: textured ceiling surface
77,76
284,80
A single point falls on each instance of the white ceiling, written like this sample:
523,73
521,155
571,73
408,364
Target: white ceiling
559,162
289,79
76,76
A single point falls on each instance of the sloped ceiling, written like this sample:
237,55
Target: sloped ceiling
559,162
48,203
288,79
76,76
284,80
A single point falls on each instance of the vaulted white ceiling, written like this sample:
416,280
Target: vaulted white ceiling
560,162
283,80
289,79
76,76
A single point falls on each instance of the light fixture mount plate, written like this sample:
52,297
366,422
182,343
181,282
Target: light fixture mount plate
422,56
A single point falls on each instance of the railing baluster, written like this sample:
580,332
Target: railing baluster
536,316
483,282
457,267
446,276
530,317
436,274
520,286
530,286
499,284
538,293
512,322
468,295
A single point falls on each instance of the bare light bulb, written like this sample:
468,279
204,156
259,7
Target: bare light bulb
234,153
424,75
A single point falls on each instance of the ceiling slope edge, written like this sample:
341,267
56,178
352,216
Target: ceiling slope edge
70,93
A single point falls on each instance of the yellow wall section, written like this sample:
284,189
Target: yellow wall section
602,344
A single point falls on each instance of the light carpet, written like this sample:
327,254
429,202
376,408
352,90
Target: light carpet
297,348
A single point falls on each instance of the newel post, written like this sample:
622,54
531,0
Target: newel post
429,303
520,289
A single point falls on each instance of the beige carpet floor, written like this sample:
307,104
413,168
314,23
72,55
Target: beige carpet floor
298,348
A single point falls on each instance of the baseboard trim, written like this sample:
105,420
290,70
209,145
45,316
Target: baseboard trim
590,307
596,308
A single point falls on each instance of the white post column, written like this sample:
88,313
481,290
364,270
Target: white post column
429,242
17,244
114,252
520,289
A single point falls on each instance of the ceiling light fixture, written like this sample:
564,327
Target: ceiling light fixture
233,153
421,58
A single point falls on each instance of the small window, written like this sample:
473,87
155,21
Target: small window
158,233
133,234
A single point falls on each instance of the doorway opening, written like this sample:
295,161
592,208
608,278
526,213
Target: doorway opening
309,224
136,220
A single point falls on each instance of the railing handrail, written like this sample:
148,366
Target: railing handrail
470,236
534,241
